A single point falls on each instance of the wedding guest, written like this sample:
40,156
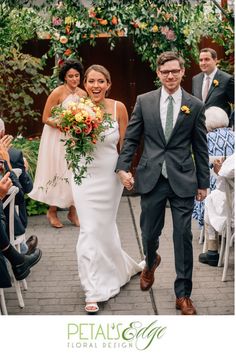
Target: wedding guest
20,263
220,142
215,216
17,161
173,166
213,86
52,180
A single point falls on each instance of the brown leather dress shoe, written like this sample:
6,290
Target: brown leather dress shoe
147,276
185,305
32,243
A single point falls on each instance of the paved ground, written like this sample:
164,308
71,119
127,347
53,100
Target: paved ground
54,287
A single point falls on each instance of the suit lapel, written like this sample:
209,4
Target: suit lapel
182,115
212,88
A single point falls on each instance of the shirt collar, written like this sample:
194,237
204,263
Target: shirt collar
211,74
176,95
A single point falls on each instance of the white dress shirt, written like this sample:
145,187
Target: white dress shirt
177,98
211,76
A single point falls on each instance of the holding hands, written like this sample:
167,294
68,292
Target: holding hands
126,179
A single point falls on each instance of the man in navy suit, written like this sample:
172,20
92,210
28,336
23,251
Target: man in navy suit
213,86
173,166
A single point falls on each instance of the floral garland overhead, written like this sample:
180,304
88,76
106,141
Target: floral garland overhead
154,26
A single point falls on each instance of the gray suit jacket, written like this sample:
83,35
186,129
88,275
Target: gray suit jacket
185,153
220,95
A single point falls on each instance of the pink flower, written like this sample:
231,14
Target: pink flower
164,29
56,21
170,35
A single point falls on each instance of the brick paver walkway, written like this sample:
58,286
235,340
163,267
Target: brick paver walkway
54,287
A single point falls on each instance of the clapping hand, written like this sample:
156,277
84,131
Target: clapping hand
5,185
6,140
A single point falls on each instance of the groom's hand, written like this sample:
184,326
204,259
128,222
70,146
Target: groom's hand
126,179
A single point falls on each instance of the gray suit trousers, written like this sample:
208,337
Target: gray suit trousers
152,222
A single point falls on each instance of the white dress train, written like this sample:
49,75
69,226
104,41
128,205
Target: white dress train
103,265
52,183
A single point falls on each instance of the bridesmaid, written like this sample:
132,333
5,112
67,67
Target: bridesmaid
52,179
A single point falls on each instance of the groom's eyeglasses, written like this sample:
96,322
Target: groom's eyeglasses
174,72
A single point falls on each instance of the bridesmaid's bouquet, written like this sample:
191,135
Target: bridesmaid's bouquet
82,123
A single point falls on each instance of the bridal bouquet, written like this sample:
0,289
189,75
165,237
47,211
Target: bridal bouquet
82,123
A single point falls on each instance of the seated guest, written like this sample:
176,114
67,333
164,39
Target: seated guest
215,215
20,263
220,140
16,160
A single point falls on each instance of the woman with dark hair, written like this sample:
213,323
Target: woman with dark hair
52,179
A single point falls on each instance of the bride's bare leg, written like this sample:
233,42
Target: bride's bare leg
52,217
72,216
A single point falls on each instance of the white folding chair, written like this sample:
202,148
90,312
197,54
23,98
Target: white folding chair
3,307
228,233
16,243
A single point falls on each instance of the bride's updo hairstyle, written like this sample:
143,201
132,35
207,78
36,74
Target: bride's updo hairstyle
101,69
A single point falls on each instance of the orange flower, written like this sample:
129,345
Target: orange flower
103,22
63,39
215,83
67,52
67,29
114,20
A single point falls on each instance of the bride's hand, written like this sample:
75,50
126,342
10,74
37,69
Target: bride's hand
126,179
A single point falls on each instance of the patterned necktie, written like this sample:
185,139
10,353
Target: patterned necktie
168,128
206,88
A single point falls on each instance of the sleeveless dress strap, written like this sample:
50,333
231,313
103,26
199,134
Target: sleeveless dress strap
115,110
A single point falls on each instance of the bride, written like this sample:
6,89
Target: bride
103,265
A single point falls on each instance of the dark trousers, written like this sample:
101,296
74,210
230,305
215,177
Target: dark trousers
4,239
152,222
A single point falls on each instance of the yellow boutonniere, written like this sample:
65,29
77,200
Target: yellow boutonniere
215,83
185,109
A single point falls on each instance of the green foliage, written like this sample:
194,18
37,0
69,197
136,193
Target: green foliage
29,148
20,81
154,26
21,78
34,207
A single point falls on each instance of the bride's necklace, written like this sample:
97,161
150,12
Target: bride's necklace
71,91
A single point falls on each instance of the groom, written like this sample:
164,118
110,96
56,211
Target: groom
173,166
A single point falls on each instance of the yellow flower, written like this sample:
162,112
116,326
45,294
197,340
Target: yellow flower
215,83
143,25
69,20
185,109
155,28
78,117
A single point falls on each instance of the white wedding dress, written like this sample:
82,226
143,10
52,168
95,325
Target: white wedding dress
103,265
52,179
